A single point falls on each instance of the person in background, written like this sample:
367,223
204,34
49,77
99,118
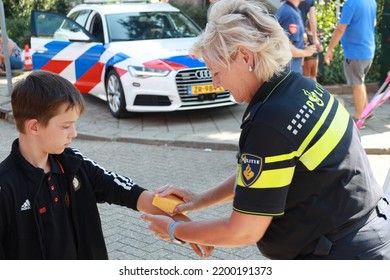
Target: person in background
289,17
356,31
310,63
49,191
303,187
308,14
14,55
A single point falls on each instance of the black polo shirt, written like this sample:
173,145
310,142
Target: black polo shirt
301,162
55,214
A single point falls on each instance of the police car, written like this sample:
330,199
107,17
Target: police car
132,55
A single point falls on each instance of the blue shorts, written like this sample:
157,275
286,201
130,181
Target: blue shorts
16,62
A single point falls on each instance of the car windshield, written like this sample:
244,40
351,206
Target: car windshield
150,25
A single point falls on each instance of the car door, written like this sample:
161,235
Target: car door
61,45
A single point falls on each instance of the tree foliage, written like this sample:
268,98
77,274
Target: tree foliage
17,13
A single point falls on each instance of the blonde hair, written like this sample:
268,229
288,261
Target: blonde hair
235,23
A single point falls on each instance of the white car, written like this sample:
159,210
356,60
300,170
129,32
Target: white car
134,56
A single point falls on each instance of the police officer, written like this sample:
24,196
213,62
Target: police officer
303,187
289,17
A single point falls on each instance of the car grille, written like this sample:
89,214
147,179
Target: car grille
196,76
152,100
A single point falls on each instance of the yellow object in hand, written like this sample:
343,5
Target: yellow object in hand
167,203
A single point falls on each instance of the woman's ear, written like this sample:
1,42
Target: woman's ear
247,55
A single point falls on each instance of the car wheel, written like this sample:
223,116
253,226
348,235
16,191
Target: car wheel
115,96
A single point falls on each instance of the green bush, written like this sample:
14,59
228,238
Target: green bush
196,13
18,28
327,21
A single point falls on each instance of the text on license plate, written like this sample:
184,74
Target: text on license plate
204,89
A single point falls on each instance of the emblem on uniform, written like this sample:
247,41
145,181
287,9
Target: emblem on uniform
76,183
251,167
293,28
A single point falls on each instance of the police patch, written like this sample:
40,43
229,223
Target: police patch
251,167
293,28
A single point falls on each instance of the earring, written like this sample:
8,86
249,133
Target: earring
250,68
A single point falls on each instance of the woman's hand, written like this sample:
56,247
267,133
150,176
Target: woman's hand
159,225
191,200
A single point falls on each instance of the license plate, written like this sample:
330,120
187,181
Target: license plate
204,89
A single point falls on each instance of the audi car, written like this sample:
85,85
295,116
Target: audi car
135,56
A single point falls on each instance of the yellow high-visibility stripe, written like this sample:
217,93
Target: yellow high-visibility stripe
258,213
281,177
307,140
279,158
275,178
328,141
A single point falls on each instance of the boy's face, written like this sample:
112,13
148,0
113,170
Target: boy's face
60,131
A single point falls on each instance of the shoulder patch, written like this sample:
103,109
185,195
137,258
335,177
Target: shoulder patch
293,28
251,167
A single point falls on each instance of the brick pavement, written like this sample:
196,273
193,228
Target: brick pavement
152,166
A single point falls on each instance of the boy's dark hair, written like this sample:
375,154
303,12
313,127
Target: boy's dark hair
40,94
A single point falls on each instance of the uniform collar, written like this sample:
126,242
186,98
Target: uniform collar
263,93
292,5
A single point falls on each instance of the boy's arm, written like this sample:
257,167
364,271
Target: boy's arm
144,204
111,187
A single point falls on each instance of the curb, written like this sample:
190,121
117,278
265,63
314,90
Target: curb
377,151
160,142
345,89
192,144
6,114
203,145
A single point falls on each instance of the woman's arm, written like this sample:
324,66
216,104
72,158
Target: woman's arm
237,230
192,201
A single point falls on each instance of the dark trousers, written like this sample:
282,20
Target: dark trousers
369,242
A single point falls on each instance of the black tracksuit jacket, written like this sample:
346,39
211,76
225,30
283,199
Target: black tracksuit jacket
21,230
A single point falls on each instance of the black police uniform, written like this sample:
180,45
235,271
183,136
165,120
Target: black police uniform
55,215
301,161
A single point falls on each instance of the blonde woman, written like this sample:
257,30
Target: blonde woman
303,187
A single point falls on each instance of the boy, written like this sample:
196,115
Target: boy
48,191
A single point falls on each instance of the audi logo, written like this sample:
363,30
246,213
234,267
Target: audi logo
203,74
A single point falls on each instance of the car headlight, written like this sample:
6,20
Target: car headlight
145,72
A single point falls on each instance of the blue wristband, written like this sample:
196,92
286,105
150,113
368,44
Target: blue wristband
172,227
